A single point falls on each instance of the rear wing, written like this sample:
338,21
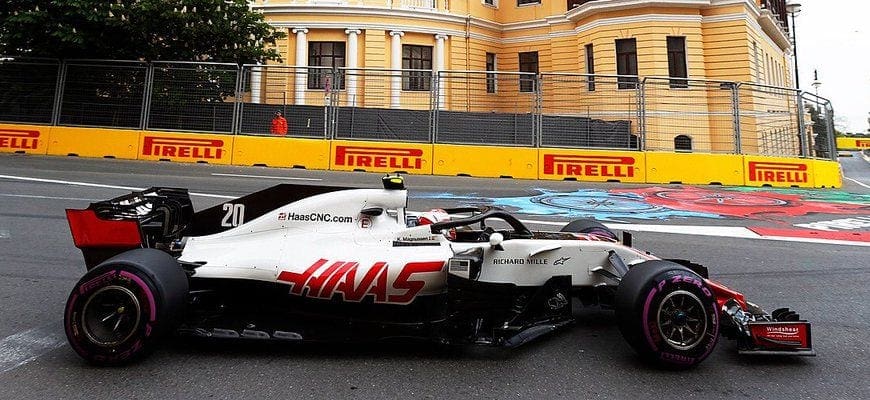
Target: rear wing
151,218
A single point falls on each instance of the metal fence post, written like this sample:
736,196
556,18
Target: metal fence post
237,103
58,94
538,111
803,133
829,122
735,112
146,97
434,106
640,103
335,99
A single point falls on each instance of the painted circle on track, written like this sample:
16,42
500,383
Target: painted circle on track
596,204
725,199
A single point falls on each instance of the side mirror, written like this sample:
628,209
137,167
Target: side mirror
495,241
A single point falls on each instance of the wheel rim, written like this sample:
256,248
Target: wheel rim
111,315
682,319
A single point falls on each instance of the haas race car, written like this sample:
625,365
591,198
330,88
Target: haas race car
303,263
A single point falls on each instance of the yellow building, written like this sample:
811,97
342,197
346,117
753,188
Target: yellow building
698,40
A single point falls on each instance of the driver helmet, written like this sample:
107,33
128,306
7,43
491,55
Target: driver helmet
436,215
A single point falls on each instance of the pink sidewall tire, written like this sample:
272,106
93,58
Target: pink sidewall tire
668,314
121,308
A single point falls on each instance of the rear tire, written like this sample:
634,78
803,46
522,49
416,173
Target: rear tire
119,309
667,313
589,226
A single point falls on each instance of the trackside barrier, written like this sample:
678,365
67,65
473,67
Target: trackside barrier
24,139
281,152
411,158
592,165
695,169
94,142
191,147
850,143
417,158
485,161
827,174
778,171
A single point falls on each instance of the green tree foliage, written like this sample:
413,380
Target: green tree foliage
187,30
183,96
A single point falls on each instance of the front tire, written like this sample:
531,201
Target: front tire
667,313
119,309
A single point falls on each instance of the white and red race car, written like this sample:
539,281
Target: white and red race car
316,263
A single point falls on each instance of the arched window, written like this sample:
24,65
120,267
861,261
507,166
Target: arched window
682,143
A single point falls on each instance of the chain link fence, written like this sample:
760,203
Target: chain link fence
819,126
462,107
493,108
103,94
196,97
301,94
588,111
770,121
381,104
28,89
689,115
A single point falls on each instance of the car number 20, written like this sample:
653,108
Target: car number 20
235,215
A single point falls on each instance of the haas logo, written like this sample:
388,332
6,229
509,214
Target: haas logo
19,139
183,147
589,165
323,280
378,157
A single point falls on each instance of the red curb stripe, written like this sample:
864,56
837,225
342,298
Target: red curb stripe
813,234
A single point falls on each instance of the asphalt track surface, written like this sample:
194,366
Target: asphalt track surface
827,284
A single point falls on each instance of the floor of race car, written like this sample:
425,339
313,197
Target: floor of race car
826,281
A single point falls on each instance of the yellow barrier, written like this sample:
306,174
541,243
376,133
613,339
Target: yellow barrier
412,158
419,158
485,161
25,139
778,171
93,142
827,174
592,165
694,168
852,143
275,151
185,147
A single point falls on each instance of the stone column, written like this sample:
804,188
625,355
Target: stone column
256,75
396,64
352,62
301,61
438,65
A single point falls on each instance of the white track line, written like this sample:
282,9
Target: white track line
286,178
24,347
27,196
99,185
855,181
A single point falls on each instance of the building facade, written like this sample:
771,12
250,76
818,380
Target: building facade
676,40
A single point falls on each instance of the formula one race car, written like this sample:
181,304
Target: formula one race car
315,263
